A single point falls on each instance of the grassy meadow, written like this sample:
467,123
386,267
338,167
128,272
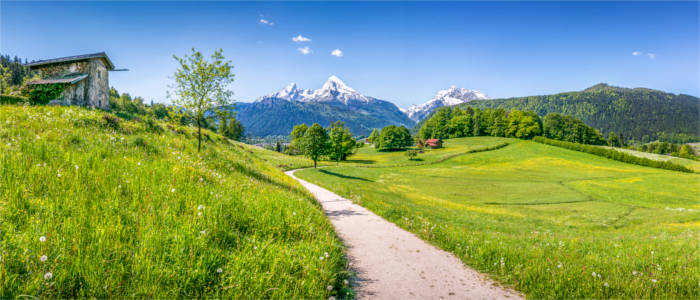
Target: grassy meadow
694,165
94,208
551,222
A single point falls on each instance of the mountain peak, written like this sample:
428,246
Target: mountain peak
452,96
335,84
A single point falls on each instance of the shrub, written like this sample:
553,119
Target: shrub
152,125
613,154
111,121
412,154
7,99
43,93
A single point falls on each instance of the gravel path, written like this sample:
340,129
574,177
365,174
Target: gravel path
392,263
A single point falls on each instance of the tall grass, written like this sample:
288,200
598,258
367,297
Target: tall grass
94,206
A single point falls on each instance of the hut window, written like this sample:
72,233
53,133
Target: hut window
98,74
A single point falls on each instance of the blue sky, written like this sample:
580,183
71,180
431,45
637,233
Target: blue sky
398,51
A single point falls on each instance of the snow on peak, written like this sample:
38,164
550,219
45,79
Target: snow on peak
336,90
291,92
448,97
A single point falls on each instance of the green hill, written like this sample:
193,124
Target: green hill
91,206
635,113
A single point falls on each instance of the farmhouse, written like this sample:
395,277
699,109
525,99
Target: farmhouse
433,143
84,78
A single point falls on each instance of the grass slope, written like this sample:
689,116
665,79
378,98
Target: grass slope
126,212
554,223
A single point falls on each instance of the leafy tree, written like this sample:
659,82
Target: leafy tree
341,142
5,79
202,85
614,140
523,125
460,126
686,152
234,129
315,143
393,137
373,136
296,138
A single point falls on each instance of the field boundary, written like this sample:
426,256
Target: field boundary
448,157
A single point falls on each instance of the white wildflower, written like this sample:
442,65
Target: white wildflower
320,258
201,179
76,167
172,190
59,175
200,207
330,287
331,298
48,276
593,274
345,281
199,214
43,258
653,280
42,239
325,254
605,284
634,273
559,265
219,270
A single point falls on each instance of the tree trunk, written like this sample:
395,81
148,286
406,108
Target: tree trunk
314,164
199,135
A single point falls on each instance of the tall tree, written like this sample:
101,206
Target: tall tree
296,138
315,142
201,85
373,136
341,142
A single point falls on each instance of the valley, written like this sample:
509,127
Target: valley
551,222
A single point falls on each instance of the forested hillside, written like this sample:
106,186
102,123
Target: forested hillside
640,114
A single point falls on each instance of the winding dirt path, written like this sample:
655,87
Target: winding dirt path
392,263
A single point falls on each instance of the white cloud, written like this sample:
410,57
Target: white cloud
651,55
636,53
304,50
266,22
301,39
639,53
337,53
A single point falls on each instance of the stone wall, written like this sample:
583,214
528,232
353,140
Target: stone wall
91,91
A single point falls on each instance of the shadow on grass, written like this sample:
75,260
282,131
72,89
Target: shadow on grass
343,176
361,161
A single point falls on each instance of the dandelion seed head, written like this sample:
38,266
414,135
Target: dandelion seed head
200,207
219,270
330,287
43,258
42,239
48,276
605,284
172,190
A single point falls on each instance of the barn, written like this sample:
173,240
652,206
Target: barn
85,78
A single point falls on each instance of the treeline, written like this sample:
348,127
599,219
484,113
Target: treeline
391,138
677,150
315,142
13,74
613,154
641,114
455,122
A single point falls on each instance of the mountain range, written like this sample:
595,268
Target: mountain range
277,113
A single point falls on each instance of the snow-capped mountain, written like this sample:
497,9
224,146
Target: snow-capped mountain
333,90
290,92
277,113
448,97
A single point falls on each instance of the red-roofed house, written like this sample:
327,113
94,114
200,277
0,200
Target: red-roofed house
433,143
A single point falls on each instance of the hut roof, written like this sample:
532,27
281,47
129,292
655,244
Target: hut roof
108,63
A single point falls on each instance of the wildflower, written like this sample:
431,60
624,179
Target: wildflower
331,298
59,175
325,254
593,274
219,270
659,268
559,265
203,232
634,273
255,247
294,213
42,239
605,284
330,287
48,276
653,280
138,163
201,179
345,281
172,190
200,207
320,258
76,167
43,258
199,214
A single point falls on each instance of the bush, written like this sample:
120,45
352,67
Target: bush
613,154
112,121
6,99
43,93
412,154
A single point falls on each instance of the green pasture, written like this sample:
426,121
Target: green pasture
688,163
550,222
93,208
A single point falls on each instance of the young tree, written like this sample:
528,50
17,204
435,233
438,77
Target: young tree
5,78
315,142
201,85
613,140
341,142
373,136
412,154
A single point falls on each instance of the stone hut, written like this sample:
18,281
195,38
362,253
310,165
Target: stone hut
85,78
